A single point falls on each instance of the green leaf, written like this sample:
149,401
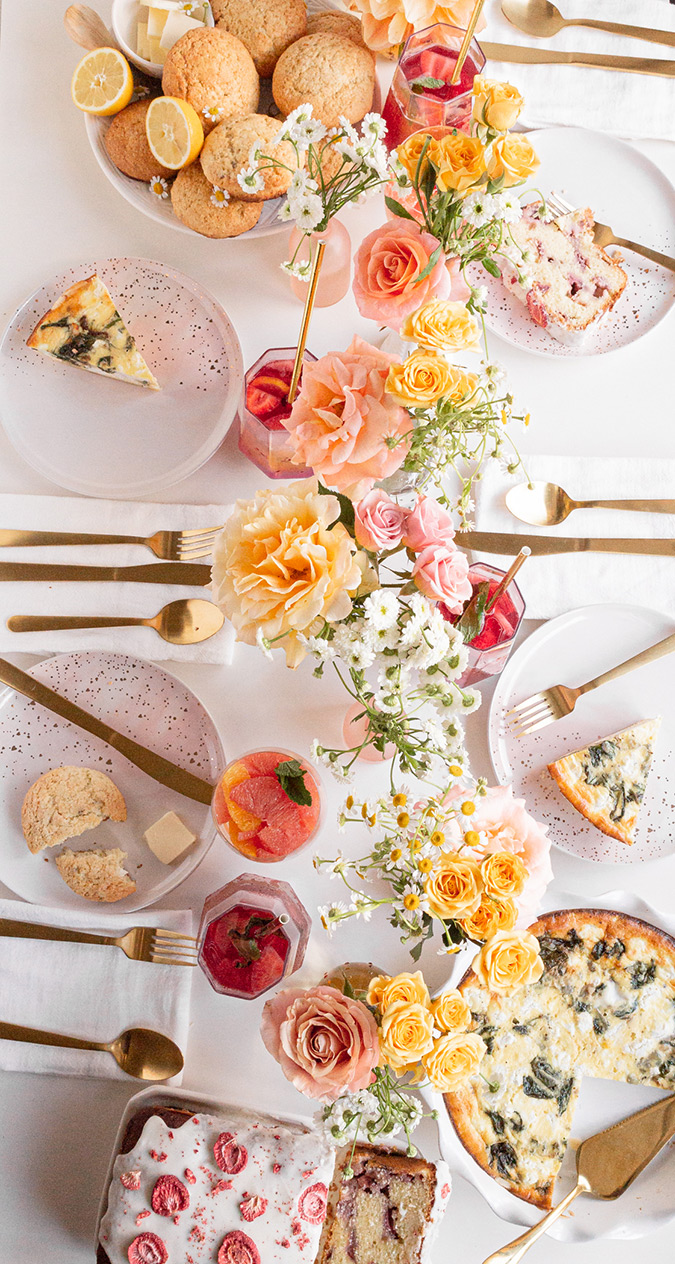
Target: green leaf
291,777
472,618
346,515
396,209
433,260
347,990
491,267
416,952
425,81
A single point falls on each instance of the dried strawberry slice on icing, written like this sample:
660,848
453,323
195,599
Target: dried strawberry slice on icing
147,1248
229,1156
237,1248
169,1196
252,1207
131,1179
313,1202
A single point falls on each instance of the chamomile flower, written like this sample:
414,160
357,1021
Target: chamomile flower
219,197
213,113
301,268
260,639
159,186
330,914
374,125
308,211
361,907
250,180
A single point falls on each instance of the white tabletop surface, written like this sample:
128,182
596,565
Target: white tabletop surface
57,208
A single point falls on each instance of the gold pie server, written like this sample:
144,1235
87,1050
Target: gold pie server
186,621
145,1054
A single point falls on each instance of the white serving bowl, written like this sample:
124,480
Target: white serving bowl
124,19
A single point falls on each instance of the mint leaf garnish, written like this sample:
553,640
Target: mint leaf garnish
425,81
291,777
472,618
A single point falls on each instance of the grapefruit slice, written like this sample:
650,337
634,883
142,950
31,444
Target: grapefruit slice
237,774
264,763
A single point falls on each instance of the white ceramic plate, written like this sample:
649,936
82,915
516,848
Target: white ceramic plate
140,700
649,1203
105,438
571,649
623,189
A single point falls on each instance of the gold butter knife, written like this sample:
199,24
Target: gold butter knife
508,542
156,766
605,61
195,574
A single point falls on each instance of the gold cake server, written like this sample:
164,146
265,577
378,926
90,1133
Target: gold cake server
196,574
508,542
605,61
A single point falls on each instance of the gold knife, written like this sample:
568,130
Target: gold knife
156,766
507,542
196,574
606,61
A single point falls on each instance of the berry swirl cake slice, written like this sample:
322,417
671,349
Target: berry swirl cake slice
555,268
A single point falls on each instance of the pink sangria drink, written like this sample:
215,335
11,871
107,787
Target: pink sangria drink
267,805
421,95
491,646
263,438
253,933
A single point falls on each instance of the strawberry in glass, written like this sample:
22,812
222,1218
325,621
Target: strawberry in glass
421,94
253,933
263,438
267,804
488,626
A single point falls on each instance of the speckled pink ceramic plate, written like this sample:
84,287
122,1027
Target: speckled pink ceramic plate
623,189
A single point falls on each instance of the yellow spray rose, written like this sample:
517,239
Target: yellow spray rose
404,987
490,916
451,1012
455,886
441,325
375,989
406,1034
514,158
422,379
504,874
459,160
409,154
461,385
508,961
495,103
453,1059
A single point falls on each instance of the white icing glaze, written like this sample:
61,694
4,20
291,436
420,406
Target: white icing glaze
442,1193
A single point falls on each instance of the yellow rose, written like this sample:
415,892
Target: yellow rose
453,1059
455,886
404,987
509,961
375,989
513,158
461,385
409,154
459,160
422,379
490,916
504,874
451,1012
278,565
441,325
406,1034
495,103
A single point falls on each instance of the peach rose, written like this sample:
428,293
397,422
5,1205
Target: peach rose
451,1012
442,325
379,522
496,103
504,824
459,160
342,418
490,916
406,1034
278,565
504,874
441,572
421,380
428,523
453,1059
388,23
325,1043
405,987
455,885
388,266
514,158
508,961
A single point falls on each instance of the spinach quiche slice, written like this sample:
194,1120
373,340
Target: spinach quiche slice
604,1007
606,782
84,328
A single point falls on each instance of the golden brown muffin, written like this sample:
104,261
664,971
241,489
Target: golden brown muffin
191,195
96,875
127,144
214,72
334,22
226,152
331,73
265,27
65,802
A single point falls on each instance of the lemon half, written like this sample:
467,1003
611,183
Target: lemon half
103,82
175,134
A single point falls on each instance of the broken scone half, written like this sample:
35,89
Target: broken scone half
606,782
65,802
96,875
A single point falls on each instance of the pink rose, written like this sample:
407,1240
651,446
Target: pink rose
428,523
459,290
379,522
442,573
325,1043
387,267
342,417
505,825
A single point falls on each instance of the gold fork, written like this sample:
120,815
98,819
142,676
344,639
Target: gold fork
550,705
141,943
170,546
605,236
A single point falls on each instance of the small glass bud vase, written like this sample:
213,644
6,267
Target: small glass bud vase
335,274
352,976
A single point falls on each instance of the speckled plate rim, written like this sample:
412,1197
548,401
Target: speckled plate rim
628,1217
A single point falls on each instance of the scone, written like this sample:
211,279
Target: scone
214,72
96,875
331,73
334,22
191,198
226,153
65,802
265,27
127,144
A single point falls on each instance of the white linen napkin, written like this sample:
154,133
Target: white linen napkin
552,585
87,990
622,104
61,513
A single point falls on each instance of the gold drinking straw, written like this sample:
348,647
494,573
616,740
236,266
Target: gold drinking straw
306,317
468,36
509,576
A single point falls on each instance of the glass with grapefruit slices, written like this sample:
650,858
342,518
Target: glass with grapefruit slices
267,804
253,933
263,438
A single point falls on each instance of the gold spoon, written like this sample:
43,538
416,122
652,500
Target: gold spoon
147,1055
86,28
545,504
183,622
541,18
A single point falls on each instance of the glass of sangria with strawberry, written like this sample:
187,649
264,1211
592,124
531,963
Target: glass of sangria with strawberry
263,438
421,95
267,804
490,620
253,933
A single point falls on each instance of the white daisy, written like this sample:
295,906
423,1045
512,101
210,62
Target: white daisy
159,186
219,197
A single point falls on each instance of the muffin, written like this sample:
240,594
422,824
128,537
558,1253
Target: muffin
214,72
265,27
127,144
65,802
331,73
191,198
96,875
333,22
226,152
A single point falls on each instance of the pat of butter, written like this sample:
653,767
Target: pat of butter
156,22
142,46
168,5
157,52
168,838
177,25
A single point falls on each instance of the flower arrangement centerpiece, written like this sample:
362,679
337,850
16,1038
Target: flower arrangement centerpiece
386,24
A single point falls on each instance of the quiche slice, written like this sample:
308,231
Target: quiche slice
85,328
606,782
